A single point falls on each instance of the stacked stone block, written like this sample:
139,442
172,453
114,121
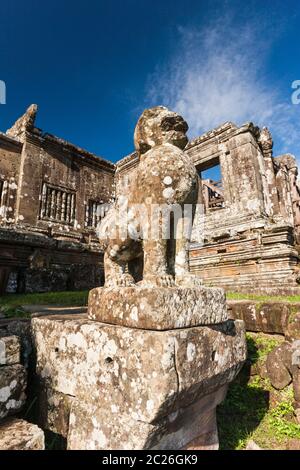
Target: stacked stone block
15,433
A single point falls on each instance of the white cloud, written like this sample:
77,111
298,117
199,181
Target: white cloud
218,74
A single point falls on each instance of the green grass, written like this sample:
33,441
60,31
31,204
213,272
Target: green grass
260,345
240,414
11,304
246,412
262,298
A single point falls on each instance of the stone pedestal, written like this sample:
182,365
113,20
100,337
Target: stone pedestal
107,386
157,308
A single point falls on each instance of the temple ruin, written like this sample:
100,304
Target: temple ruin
146,365
251,217
50,192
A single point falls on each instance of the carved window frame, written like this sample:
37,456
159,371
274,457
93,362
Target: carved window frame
92,216
58,204
211,200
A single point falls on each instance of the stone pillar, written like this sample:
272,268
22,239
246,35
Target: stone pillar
284,192
243,173
266,143
147,374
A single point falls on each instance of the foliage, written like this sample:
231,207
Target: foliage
279,418
246,412
240,414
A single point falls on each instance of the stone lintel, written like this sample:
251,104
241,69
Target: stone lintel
157,308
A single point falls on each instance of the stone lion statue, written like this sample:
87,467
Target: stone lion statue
165,178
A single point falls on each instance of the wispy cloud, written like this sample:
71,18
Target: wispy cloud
218,74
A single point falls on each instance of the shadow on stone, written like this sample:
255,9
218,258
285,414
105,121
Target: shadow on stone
244,408
54,441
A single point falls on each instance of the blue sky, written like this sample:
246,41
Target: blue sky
93,66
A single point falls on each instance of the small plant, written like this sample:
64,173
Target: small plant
259,346
279,418
10,312
245,413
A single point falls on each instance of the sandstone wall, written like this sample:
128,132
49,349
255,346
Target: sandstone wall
251,241
50,194
10,157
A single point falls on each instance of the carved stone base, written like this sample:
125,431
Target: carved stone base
113,387
157,308
192,427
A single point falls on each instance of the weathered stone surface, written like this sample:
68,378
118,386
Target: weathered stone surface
17,434
9,350
243,247
54,410
266,317
49,215
208,441
251,219
24,124
12,389
295,369
293,444
165,182
19,327
139,373
279,365
95,428
292,332
160,308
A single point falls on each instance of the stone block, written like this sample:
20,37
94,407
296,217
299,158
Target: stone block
12,389
279,366
93,428
9,350
157,308
292,332
19,327
268,317
130,378
17,434
54,410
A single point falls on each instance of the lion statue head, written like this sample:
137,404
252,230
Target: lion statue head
158,126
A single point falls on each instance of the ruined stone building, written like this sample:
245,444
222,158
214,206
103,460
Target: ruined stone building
250,230
50,191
